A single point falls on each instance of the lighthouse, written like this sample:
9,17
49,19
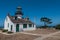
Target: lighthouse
19,13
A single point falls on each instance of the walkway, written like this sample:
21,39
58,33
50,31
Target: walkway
45,36
31,34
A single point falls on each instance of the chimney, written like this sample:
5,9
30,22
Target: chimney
8,14
15,17
27,18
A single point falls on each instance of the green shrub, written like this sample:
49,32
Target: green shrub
58,26
4,30
44,26
1,28
9,32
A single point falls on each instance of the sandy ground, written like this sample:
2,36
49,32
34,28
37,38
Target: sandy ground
54,37
17,37
45,37
42,31
23,36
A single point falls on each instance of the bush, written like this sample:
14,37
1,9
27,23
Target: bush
44,26
58,26
4,30
1,28
9,32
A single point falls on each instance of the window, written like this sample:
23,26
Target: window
24,25
30,25
8,24
11,27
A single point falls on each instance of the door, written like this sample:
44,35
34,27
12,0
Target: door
17,27
11,27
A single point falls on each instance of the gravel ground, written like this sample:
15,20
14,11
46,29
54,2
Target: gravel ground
42,31
54,37
17,37
20,36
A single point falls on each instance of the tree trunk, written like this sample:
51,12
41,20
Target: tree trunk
45,25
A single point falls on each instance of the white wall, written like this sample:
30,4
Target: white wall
6,24
14,26
20,27
29,28
25,29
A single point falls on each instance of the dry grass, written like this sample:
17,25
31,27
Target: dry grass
53,37
20,36
17,37
57,34
42,31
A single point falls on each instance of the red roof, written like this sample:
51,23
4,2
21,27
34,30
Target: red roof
12,18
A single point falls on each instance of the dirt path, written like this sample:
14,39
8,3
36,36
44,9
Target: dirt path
31,34
45,36
40,36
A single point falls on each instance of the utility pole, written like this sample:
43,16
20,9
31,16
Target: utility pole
35,19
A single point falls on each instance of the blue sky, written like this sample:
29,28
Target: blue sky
32,8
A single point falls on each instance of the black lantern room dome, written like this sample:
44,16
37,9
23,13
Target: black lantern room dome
19,11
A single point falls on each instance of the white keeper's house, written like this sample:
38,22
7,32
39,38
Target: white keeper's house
17,23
